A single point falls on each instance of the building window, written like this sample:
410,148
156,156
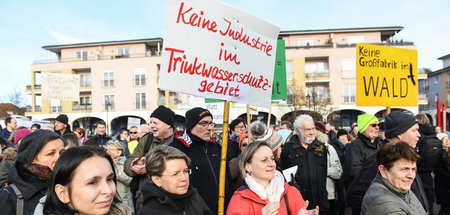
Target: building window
108,102
56,106
289,71
290,95
355,39
317,93
141,103
85,100
139,77
85,80
123,52
349,68
435,79
108,79
448,80
306,41
317,69
448,99
81,55
349,93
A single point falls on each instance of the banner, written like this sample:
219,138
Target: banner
279,78
58,86
214,50
386,76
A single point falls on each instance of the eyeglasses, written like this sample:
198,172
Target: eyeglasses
375,125
207,124
178,175
133,132
240,127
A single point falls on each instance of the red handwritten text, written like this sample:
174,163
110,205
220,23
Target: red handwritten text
228,56
217,88
195,20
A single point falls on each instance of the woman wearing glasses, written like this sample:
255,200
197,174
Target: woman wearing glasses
168,191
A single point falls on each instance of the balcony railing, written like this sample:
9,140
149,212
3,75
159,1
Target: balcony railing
37,109
318,73
310,47
422,96
81,107
37,86
100,57
346,45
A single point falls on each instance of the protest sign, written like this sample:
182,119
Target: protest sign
133,121
386,76
279,78
58,86
214,50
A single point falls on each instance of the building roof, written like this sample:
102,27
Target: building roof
386,32
437,72
57,48
444,57
7,109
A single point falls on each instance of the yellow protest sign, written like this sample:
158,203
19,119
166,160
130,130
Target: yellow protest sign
386,76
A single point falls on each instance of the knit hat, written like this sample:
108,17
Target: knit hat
342,132
320,126
194,115
397,123
364,120
62,118
441,136
272,138
164,114
21,134
241,137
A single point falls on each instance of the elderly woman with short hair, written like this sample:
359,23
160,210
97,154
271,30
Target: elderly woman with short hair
168,191
390,191
116,151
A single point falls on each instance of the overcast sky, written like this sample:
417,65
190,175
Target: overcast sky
27,25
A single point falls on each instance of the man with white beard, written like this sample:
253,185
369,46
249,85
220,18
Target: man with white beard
310,156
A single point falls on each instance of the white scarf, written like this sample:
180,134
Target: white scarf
272,192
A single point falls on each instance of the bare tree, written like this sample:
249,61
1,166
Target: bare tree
314,100
14,96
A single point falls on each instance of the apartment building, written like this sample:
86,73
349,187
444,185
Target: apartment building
118,79
436,86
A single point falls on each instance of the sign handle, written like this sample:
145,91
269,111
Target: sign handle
248,115
388,110
270,114
223,159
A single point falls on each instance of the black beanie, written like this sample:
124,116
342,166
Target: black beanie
63,119
342,132
164,114
397,123
194,115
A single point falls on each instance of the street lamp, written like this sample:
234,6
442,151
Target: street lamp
108,106
308,97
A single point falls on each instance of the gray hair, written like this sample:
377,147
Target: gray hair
299,120
257,130
116,144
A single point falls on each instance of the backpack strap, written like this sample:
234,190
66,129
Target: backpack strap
148,143
287,204
19,204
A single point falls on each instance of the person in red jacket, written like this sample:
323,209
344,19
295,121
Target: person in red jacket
265,192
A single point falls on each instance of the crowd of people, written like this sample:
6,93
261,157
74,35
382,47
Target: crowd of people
395,165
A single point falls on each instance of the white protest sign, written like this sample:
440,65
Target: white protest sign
214,50
58,86
216,108
133,121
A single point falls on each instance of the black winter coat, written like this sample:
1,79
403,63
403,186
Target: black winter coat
311,174
442,181
157,200
29,185
205,166
98,140
357,152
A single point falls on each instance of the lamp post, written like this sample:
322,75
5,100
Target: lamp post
108,106
308,97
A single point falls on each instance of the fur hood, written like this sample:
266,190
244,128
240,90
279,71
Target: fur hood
9,154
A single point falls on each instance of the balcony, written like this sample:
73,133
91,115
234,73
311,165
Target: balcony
38,108
401,43
422,96
97,57
82,107
318,73
311,47
36,86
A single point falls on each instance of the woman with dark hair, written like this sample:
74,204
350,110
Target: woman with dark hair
70,140
31,171
168,191
83,182
390,191
265,191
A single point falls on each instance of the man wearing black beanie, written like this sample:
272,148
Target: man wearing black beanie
62,125
162,123
204,153
399,127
